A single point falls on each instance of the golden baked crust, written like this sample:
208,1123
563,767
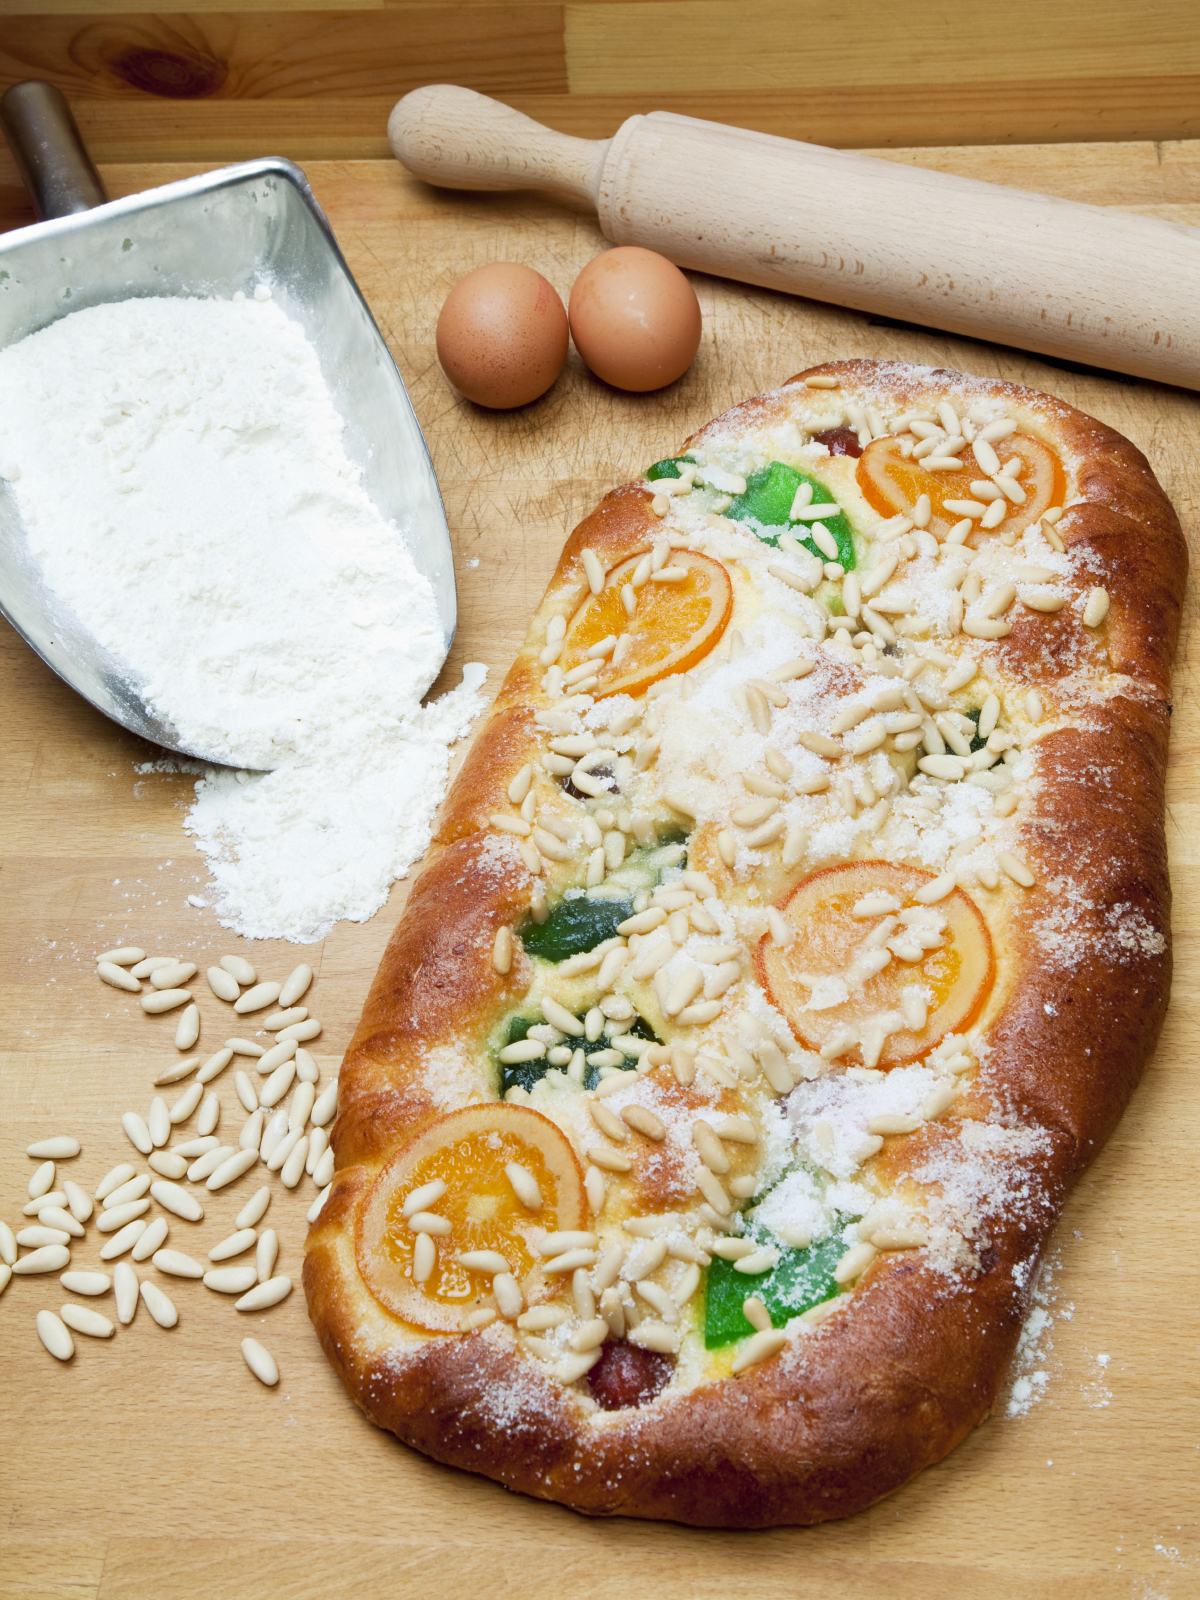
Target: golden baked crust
859,1401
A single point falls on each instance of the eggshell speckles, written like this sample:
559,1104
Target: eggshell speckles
502,335
635,319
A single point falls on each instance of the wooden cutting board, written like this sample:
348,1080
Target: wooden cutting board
155,1465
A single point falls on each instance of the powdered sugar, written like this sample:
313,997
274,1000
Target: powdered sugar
212,532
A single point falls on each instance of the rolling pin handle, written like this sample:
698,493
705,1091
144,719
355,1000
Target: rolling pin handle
458,139
49,150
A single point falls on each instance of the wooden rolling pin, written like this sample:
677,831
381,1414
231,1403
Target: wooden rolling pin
1075,281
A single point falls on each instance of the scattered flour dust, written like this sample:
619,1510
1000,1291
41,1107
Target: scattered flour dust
178,465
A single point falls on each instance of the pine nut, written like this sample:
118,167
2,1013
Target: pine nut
209,1162
172,976
323,1171
53,1333
153,1239
854,1263
174,1198
188,1030
301,1106
56,1197
253,1210
223,984
233,1167
127,956
306,1067
192,1148
137,1132
300,1031
124,1239
278,1084
246,1091
163,1000
111,1220
314,1211
758,1348
279,1053
42,1181
125,1292
230,1280
61,1222
265,1294
158,1121
255,999
239,969
424,1258
713,1191
117,978
234,1244
708,1147
86,1282
295,985
61,1148
1015,869
209,1114
113,1180
215,1065
186,1104
151,964
177,1265
293,1168
42,1234
324,1110
502,950
244,1047
644,1122
278,1020
261,1362
84,1320
159,1305
250,1137
48,1258
609,1160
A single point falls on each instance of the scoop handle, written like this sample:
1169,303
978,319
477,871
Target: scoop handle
458,139
49,150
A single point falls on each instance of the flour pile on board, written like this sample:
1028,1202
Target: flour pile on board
179,469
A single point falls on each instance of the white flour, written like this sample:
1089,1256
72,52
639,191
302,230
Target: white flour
179,468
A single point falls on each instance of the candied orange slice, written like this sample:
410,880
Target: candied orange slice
674,626
845,920
468,1153
893,485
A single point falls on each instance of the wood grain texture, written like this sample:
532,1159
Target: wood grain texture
316,80
155,1466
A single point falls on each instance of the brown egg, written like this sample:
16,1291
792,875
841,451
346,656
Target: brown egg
502,335
635,319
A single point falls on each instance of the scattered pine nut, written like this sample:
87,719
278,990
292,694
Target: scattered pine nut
234,1244
261,1362
48,1258
186,1104
758,1348
112,1220
246,1092
230,1169
124,1239
215,1065
244,1047
127,956
295,985
125,1291
176,1071
257,998
266,1254
61,1148
158,1122
84,1320
188,1030
113,1180
138,1133
153,1239
310,1028
86,1282
314,1211
53,1333
117,978
265,1294
42,1181
163,1000
159,1305
174,1198
254,1209
177,1265
239,970
223,984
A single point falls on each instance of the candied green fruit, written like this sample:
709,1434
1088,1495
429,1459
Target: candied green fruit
768,502
800,1280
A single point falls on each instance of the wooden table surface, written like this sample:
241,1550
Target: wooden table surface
155,1465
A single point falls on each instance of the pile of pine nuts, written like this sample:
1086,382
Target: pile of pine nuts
290,1139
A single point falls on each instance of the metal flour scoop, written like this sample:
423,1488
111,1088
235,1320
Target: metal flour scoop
210,235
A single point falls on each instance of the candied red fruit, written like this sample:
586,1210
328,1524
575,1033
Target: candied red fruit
628,1376
839,441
